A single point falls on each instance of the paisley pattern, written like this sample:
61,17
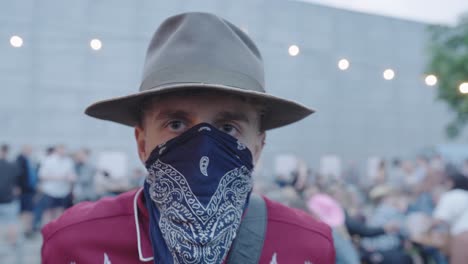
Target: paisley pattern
197,233
240,146
204,162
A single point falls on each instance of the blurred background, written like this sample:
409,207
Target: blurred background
389,81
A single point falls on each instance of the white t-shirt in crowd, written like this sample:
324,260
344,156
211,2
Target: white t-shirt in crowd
60,168
453,209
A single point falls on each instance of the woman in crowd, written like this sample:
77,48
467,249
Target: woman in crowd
449,230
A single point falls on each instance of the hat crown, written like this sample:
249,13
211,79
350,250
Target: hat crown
201,51
202,48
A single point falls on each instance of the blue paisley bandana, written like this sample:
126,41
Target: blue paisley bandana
198,187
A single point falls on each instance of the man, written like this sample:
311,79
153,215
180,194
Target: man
84,190
396,176
390,208
200,120
56,175
8,205
27,183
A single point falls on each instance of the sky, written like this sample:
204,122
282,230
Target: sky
429,11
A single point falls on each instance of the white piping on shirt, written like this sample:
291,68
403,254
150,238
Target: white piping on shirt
135,212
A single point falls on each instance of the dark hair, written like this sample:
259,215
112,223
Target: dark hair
49,150
459,180
5,148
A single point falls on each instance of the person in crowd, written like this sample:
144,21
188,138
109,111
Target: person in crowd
83,188
56,175
381,176
420,172
107,184
450,219
351,174
396,176
286,167
288,196
390,209
330,212
437,163
422,193
464,169
28,180
8,189
40,208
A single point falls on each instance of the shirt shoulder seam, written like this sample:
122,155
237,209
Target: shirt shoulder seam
71,225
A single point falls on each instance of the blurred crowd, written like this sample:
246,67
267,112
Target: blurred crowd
37,186
403,211
406,211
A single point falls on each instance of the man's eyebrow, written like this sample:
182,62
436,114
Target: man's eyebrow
175,114
234,116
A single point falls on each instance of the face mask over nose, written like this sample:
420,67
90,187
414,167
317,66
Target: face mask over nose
197,190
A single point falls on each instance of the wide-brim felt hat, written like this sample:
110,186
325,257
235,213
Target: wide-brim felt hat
201,51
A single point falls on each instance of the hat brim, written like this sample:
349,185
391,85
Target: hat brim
126,109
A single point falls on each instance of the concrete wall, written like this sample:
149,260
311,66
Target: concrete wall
47,83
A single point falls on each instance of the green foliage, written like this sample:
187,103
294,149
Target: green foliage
449,62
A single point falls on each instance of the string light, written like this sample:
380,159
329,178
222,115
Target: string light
293,50
388,74
343,64
463,88
95,44
431,80
16,41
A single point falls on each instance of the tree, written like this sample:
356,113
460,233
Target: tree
449,62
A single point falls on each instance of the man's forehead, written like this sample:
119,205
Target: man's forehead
218,105
218,114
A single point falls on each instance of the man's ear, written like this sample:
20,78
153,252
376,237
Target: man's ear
258,148
141,143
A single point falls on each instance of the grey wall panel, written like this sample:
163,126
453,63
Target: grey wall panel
46,84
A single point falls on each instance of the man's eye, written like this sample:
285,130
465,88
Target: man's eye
229,129
176,126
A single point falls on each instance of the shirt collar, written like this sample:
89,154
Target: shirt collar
145,251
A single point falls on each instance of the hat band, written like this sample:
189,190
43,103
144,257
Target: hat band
202,75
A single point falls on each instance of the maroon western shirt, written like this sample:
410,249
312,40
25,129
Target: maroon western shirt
115,230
